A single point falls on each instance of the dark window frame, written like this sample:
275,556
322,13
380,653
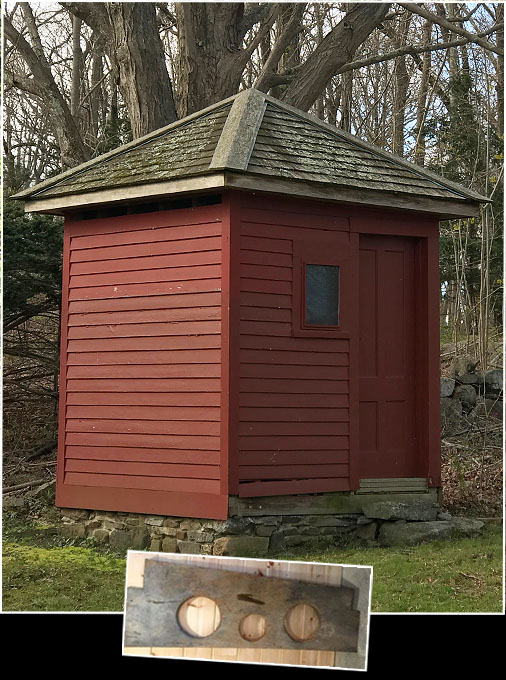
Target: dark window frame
305,322
334,249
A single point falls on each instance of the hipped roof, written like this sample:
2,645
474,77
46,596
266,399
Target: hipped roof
253,141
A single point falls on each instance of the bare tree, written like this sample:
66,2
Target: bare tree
302,53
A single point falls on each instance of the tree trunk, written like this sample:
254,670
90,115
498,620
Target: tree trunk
210,38
95,92
346,99
500,71
401,84
77,66
422,98
285,53
320,102
143,78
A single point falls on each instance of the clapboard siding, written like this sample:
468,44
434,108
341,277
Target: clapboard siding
150,249
123,453
148,469
147,316
140,289
147,483
142,353
191,356
190,300
124,330
154,385
157,413
148,343
154,275
141,399
294,420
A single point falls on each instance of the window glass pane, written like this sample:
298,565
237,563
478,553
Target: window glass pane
322,295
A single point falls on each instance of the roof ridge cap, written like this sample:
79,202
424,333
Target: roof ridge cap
238,135
71,172
393,158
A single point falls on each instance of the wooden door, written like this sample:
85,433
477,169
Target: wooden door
388,445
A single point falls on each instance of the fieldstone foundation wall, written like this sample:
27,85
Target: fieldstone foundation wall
381,523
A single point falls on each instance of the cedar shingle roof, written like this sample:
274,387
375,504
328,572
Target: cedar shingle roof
184,151
254,134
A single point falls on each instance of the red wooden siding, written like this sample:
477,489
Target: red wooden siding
294,391
186,375
300,424
141,364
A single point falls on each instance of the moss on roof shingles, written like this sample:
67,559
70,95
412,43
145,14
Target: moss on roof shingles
291,148
180,152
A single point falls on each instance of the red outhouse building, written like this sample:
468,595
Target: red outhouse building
250,309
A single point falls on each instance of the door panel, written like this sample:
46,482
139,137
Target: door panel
387,357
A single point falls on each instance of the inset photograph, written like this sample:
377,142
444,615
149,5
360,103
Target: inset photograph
247,610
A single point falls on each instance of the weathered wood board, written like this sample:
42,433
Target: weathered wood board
359,578
323,504
151,612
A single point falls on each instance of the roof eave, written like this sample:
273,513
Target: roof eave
59,205
441,207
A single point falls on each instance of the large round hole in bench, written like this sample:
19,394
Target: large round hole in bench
302,622
199,616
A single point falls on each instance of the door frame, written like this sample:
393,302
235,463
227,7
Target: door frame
425,231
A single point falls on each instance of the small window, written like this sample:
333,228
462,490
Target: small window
322,295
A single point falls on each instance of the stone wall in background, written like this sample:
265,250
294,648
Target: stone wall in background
469,394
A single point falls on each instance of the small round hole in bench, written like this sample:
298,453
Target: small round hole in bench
253,627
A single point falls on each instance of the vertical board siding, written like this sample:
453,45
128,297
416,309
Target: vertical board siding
294,391
141,355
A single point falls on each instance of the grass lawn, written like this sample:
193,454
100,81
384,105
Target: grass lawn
461,575
45,573
61,579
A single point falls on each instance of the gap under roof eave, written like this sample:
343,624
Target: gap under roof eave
59,205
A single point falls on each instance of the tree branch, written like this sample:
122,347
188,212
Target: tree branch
261,33
254,12
412,50
334,52
93,14
72,148
448,25
24,83
265,80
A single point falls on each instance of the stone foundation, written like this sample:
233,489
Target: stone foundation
381,523
235,536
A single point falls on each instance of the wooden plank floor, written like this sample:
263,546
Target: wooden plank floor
328,574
